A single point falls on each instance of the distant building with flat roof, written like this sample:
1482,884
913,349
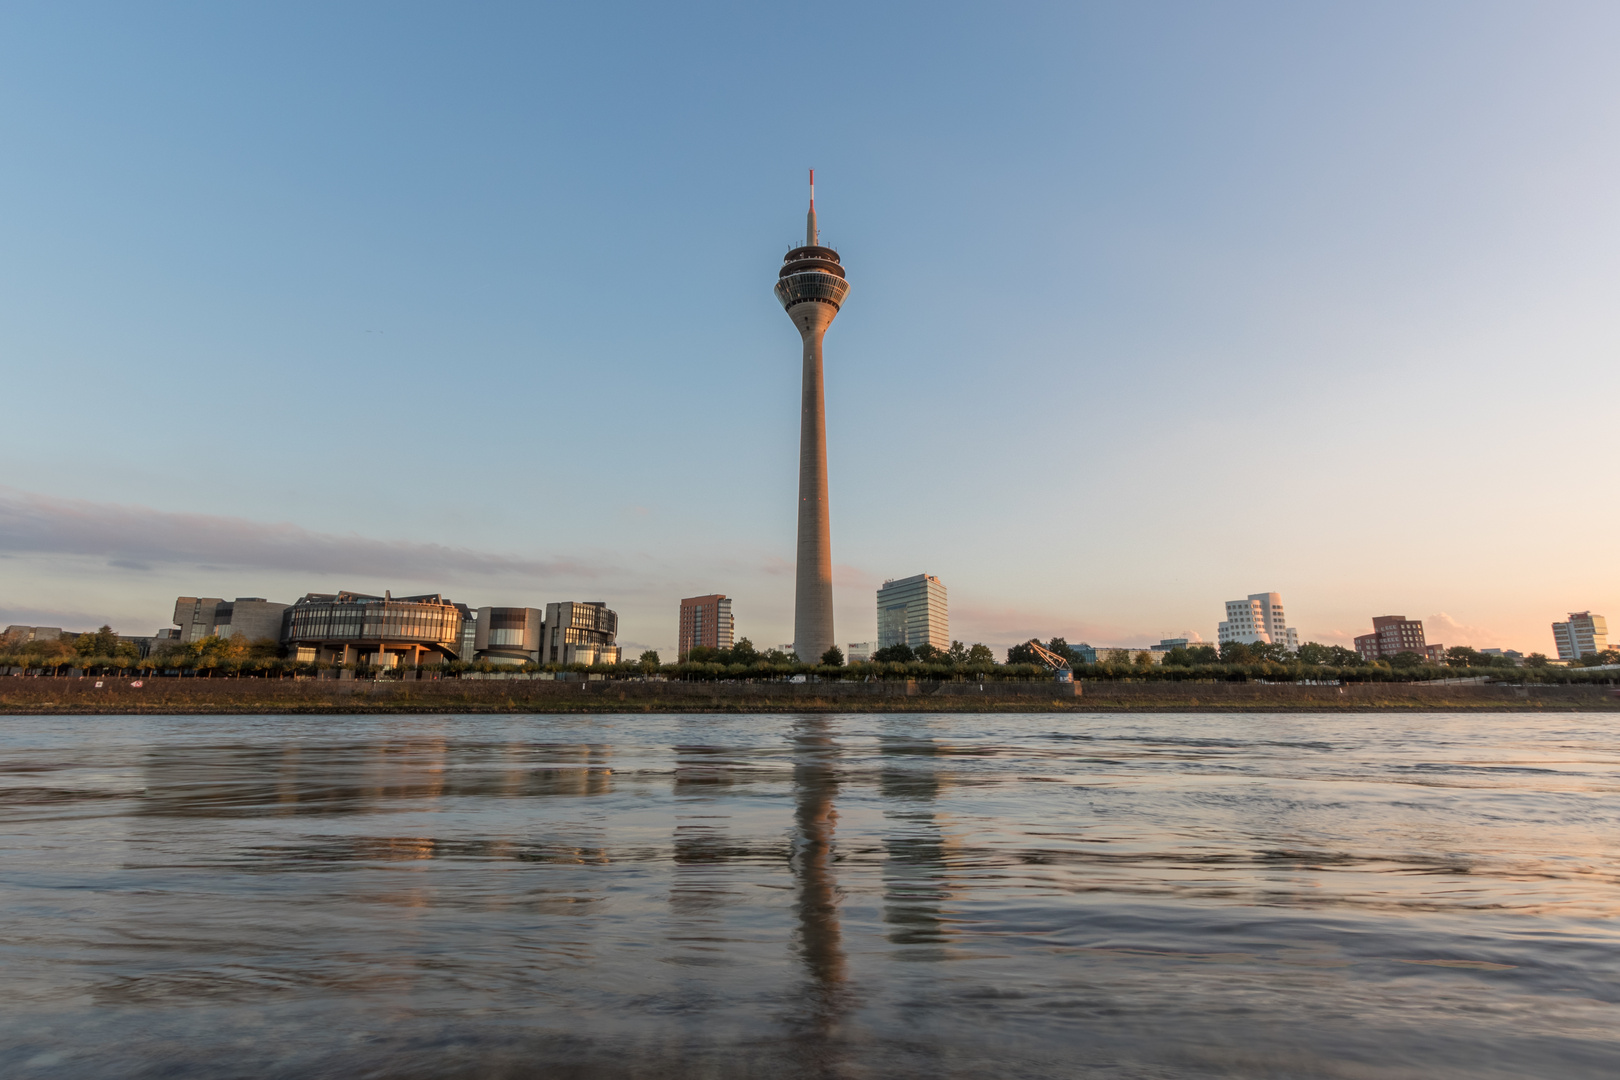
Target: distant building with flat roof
1585,634
251,617
21,635
706,622
577,633
913,611
859,652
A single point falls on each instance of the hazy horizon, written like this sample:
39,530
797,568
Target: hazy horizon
1152,308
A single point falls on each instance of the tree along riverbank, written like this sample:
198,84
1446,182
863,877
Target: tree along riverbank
70,696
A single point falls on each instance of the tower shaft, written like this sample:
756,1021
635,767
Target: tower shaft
811,286
813,598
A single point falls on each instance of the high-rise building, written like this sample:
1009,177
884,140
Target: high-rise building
578,633
811,286
1397,634
1257,620
706,622
1585,634
912,611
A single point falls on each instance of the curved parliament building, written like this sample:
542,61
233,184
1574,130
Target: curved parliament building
348,627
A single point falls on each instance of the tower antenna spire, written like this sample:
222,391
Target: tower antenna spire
812,235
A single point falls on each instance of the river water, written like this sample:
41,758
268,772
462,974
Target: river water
1357,896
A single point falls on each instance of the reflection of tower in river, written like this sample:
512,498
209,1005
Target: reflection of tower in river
815,786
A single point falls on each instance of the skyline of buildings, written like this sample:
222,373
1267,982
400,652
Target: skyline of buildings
914,610
386,631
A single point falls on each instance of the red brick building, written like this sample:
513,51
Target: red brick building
1397,634
705,620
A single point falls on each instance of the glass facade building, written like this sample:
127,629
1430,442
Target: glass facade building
350,627
913,611
1585,634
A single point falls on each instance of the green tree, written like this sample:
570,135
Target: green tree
1464,657
1203,654
744,652
1178,657
101,643
1537,660
1237,652
648,661
899,653
701,654
980,654
1406,659
833,657
928,654
958,653
1023,654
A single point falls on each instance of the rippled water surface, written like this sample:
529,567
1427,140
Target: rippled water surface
1363,896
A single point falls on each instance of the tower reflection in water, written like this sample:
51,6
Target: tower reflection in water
815,787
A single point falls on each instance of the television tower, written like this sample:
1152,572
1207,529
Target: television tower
812,287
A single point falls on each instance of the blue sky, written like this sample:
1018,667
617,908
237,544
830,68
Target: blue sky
1154,306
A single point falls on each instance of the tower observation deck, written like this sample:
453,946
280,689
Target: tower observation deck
812,286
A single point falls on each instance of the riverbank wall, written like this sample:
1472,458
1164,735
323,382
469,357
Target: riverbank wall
67,696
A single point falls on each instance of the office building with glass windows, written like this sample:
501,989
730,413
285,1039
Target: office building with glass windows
912,611
1585,634
705,622
577,633
347,627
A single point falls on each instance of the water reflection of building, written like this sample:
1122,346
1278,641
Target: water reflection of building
324,778
917,849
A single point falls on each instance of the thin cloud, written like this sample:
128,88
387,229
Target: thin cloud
141,538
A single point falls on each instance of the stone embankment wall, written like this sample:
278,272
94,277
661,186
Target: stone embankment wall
82,695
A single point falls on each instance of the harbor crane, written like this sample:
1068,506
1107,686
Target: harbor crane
1057,665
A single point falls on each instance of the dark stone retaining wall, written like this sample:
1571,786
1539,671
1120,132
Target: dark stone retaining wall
22,695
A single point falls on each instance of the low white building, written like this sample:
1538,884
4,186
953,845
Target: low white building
1257,620
859,652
